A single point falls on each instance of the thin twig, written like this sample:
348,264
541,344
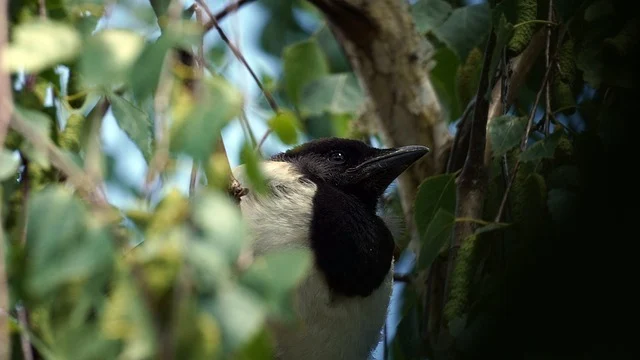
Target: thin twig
25,341
523,143
547,59
263,139
238,54
458,154
231,8
74,174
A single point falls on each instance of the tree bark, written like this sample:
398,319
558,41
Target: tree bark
391,60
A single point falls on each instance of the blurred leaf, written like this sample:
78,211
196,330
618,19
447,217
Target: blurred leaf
9,163
465,28
61,247
429,14
109,56
542,149
40,123
336,94
285,124
221,223
126,318
275,275
39,44
240,314
437,234
145,72
303,62
506,132
197,125
254,175
436,192
259,348
135,123
443,76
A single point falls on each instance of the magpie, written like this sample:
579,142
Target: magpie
323,195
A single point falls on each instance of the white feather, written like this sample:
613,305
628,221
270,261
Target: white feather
329,328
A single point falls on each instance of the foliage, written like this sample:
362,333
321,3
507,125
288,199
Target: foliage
169,274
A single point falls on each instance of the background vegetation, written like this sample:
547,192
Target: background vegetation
518,225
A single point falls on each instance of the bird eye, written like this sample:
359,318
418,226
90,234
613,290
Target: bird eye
337,157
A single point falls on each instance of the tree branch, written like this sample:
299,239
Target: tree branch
390,58
472,182
520,67
224,12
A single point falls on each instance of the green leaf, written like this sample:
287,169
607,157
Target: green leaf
437,234
275,275
40,123
506,132
259,348
252,170
197,129
109,56
436,192
135,123
429,14
61,247
39,44
285,124
303,62
145,72
221,223
444,76
9,163
240,314
542,149
335,94
465,28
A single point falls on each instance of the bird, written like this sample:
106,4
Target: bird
323,195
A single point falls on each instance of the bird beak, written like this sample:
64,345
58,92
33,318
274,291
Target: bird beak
381,170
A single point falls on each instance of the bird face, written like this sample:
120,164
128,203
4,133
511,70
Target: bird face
352,166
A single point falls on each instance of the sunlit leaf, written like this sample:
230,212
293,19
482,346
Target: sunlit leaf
240,314
285,124
134,122
251,169
542,149
506,133
197,128
336,94
108,57
303,62
429,14
9,163
437,234
465,28
275,275
39,44
436,192
221,223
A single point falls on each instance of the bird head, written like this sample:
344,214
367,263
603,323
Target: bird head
352,166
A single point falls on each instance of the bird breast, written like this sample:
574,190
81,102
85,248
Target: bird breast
329,327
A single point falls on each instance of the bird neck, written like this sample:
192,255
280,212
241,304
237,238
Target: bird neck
352,245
